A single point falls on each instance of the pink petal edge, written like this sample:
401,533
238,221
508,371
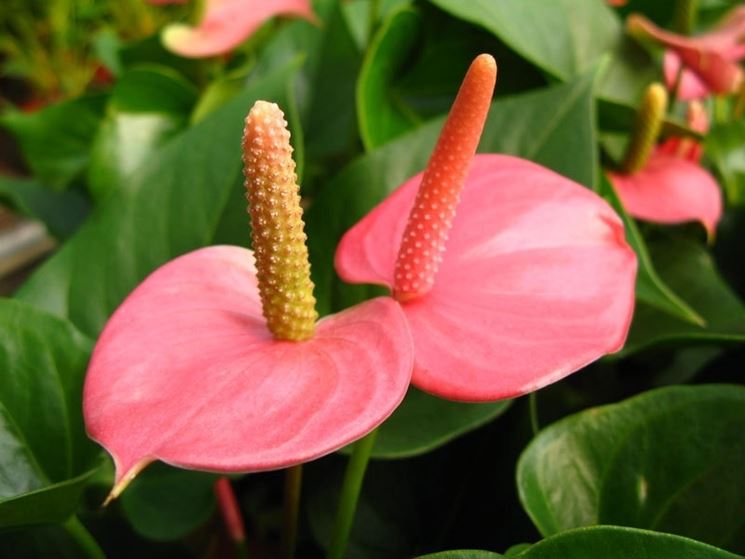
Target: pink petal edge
671,190
227,23
536,281
186,372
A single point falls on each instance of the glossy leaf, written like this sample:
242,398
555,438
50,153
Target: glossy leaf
462,554
665,460
608,542
564,113
423,423
46,458
689,270
61,212
170,206
56,140
165,503
380,118
147,107
612,542
563,37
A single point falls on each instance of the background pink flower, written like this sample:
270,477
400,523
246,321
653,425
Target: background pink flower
227,23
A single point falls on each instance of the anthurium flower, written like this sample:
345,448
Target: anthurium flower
666,183
710,60
216,361
528,280
227,23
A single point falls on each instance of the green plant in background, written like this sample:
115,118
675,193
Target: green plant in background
616,460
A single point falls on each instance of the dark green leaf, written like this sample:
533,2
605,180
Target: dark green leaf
725,145
563,114
613,542
46,457
669,460
423,422
172,205
382,118
563,37
462,554
61,212
165,503
56,140
690,272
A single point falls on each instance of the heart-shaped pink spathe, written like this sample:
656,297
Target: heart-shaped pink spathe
186,372
536,281
227,23
670,189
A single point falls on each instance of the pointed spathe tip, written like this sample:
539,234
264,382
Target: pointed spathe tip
124,481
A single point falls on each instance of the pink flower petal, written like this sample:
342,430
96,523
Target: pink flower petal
187,372
227,23
711,56
691,87
670,190
536,281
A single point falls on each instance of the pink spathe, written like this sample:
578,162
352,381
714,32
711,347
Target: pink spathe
187,372
536,281
671,189
227,23
709,61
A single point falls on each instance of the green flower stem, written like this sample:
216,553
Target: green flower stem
685,16
86,543
350,493
293,485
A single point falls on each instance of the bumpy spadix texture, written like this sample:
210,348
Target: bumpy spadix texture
227,23
646,128
535,282
278,238
434,208
709,60
187,371
672,186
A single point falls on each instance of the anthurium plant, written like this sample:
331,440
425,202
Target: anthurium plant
374,279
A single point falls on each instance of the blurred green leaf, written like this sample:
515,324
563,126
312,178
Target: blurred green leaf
689,270
563,114
61,212
46,457
725,146
563,37
650,288
165,503
382,118
423,423
56,141
147,107
667,460
173,204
